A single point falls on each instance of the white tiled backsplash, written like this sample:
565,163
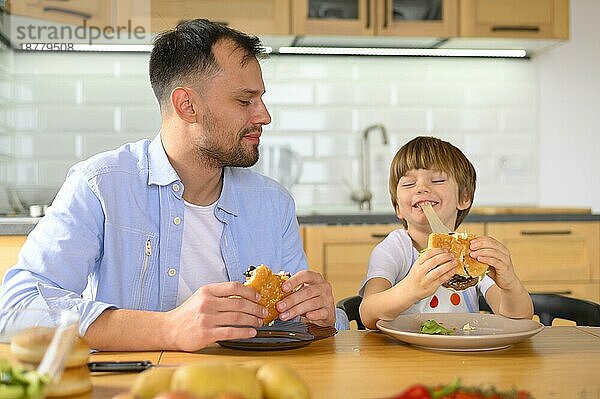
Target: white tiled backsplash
57,109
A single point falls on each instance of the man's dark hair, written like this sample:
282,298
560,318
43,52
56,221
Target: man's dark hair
184,54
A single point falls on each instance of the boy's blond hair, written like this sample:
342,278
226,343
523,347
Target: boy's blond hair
433,153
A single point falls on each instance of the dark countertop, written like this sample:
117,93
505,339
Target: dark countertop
24,225
382,218
17,226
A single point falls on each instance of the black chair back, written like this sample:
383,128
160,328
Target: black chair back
551,306
350,306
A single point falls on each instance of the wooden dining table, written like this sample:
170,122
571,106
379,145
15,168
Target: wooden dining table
559,362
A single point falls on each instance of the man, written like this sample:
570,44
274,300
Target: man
149,242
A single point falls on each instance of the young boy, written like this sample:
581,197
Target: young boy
429,170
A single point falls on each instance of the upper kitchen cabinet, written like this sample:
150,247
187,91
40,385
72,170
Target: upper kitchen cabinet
425,18
535,19
259,17
73,12
333,17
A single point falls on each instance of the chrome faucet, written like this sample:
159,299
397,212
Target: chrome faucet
363,195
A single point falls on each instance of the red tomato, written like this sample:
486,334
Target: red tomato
414,392
468,395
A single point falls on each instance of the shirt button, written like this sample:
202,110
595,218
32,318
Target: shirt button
171,272
177,220
176,187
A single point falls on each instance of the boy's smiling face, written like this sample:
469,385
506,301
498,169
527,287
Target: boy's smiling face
419,186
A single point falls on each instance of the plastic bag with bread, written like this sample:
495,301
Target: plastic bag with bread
28,348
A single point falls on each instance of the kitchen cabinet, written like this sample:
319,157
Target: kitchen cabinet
341,253
265,17
74,12
535,19
355,17
554,257
425,18
418,18
9,252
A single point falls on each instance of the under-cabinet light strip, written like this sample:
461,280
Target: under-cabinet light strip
425,52
114,47
125,47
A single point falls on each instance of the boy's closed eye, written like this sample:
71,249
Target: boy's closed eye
439,177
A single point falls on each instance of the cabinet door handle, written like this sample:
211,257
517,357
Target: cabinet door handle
515,28
546,233
385,14
565,292
368,14
83,15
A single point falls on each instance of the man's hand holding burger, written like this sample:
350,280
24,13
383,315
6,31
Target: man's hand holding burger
313,299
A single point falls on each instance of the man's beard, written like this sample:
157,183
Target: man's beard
212,154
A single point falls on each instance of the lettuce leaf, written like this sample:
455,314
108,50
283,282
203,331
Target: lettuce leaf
433,327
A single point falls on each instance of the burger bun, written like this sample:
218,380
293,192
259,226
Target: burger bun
469,271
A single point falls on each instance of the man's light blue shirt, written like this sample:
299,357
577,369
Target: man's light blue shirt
112,237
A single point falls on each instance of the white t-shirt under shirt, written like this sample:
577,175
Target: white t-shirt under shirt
201,259
393,258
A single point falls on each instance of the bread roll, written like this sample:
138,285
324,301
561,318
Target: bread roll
30,345
74,381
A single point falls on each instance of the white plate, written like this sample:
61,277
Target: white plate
489,331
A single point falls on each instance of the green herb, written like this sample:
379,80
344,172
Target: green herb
447,390
18,383
433,327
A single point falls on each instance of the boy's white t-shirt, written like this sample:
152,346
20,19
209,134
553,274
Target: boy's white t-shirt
393,258
201,259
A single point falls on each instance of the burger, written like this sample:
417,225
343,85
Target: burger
28,348
268,285
469,271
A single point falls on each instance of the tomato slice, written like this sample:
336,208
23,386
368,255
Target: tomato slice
468,395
